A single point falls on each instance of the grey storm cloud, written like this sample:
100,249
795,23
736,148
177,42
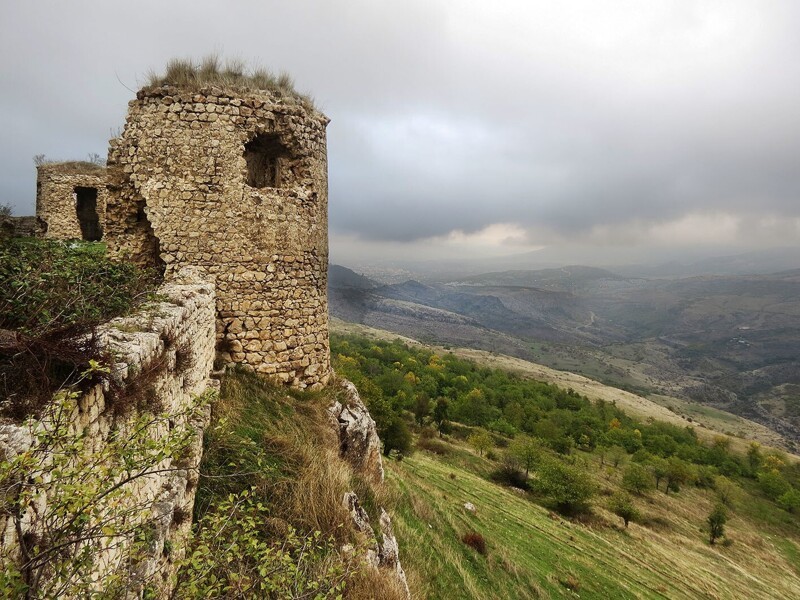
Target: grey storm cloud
556,117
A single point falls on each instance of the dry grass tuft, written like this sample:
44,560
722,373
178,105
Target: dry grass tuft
314,501
281,444
369,583
229,73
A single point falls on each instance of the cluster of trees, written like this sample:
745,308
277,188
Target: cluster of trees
540,421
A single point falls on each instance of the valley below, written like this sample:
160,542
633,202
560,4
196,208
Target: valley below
693,345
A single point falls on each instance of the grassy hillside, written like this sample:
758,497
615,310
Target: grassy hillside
555,478
534,553
269,521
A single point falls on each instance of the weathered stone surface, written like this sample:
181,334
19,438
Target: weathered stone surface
56,199
243,196
359,444
379,554
184,323
389,554
358,514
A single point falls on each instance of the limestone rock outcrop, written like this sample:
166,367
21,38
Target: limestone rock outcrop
359,443
360,447
381,553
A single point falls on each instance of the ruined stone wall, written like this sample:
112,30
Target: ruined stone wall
182,194
20,227
56,203
169,349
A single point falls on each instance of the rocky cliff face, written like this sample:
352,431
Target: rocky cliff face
360,446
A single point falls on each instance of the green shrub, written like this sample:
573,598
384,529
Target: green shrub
637,479
53,296
773,484
51,285
716,523
229,557
570,489
621,504
790,500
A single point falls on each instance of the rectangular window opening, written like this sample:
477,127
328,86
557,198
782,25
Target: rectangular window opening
86,209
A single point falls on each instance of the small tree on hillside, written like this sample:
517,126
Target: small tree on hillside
621,504
527,450
754,456
616,455
397,437
716,523
422,407
637,479
725,489
659,467
481,441
441,414
678,473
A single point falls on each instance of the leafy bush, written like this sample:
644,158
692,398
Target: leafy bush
790,501
229,557
53,296
637,479
569,488
773,484
716,523
49,286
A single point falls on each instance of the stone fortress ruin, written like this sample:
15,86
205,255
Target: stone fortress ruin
227,178
70,199
220,183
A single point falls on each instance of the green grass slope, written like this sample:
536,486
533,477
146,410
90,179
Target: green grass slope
534,553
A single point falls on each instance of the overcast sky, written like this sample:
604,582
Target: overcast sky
462,128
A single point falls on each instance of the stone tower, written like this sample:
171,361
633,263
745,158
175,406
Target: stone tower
71,199
233,181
